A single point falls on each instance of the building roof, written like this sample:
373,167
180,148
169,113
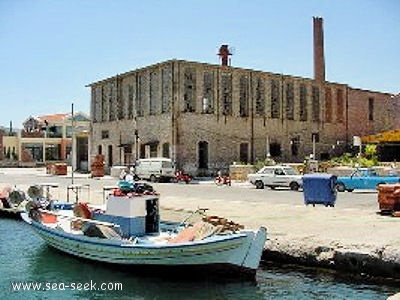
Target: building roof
60,117
54,118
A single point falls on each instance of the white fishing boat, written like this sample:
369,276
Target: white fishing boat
129,232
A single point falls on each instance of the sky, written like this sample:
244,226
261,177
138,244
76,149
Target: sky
51,50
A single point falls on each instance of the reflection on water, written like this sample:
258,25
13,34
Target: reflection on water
50,264
25,258
295,282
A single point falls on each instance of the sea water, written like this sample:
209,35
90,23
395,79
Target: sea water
29,269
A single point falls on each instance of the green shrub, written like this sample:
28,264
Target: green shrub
367,159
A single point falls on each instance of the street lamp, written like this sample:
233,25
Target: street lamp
268,148
313,145
357,142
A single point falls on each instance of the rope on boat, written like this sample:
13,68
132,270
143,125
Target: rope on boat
223,223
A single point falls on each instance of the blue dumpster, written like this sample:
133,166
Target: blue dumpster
319,189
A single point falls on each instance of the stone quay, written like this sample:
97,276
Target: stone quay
352,236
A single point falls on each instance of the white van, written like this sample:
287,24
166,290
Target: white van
155,169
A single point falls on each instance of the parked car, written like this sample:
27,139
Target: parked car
276,176
364,178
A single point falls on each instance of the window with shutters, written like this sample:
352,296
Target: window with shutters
275,105
153,93
244,96
189,96
166,90
140,95
226,94
339,106
371,109
208,95
289,101
315,104
328,105
303,102
260,97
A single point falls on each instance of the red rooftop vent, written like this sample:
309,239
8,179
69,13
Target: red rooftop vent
224,53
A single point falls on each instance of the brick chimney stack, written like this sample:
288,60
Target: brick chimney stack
319,59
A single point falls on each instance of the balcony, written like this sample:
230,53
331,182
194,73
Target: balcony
32,134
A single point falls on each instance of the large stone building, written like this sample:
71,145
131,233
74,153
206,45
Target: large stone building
205,117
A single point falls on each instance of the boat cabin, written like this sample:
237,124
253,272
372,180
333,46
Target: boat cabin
137,214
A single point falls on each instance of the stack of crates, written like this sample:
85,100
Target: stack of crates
97,166
389,197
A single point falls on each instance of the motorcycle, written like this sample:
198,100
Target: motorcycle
222,180
180,176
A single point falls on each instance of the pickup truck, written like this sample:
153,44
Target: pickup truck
276,176
364,178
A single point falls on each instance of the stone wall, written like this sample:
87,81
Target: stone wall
200,114
240,172
371,112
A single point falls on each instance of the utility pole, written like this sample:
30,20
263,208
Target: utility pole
73,159
313,145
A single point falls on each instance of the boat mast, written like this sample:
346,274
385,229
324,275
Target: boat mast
73,142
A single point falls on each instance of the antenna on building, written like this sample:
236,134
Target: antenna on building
224,52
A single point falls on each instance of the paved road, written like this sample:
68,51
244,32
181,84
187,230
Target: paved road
187,194
353,220
248,194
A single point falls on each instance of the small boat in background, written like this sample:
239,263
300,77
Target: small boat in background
12,203
129,233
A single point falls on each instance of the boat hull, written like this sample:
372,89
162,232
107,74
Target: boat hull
10,213
240,251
